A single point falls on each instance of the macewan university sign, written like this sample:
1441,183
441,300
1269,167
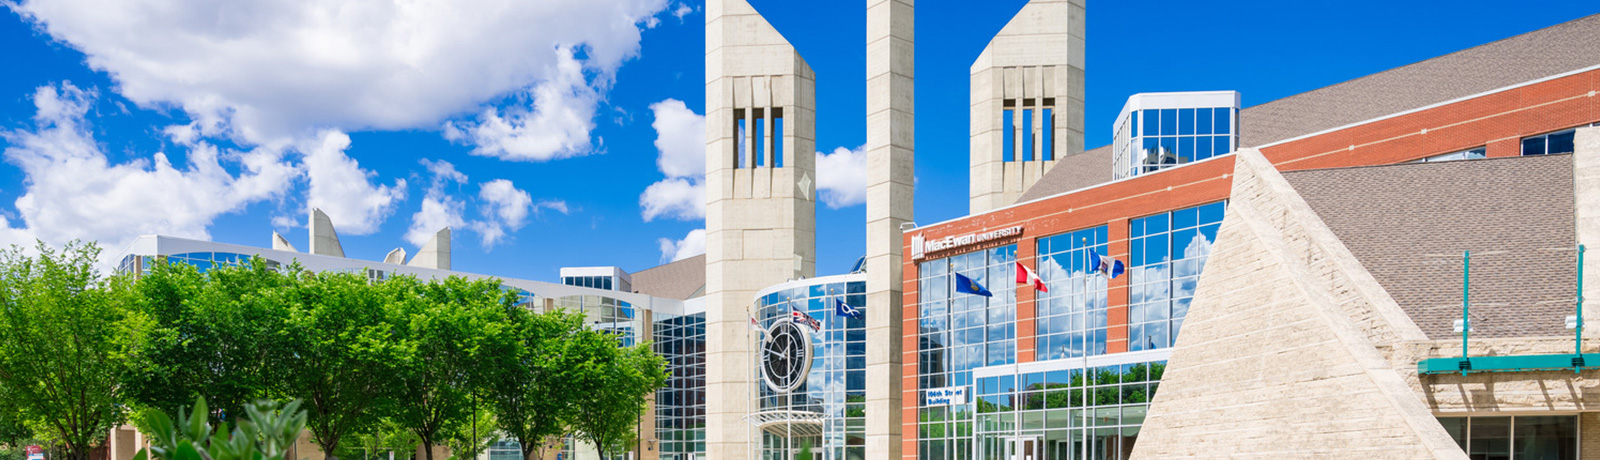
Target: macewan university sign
921,247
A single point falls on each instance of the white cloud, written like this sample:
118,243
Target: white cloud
502,207
683,10
343,190
556,127
683,199
692,244
681,143
265,72
842,177
73,191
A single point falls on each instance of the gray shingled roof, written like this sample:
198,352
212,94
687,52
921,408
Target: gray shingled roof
1393,217
682,280
1550,51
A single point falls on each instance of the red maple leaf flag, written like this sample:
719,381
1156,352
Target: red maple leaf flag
1026,276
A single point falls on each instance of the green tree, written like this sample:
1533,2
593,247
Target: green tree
442,323
214,336
64,333
467,440
616,384
529,381
339,351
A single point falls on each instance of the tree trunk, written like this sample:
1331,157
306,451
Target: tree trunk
427,449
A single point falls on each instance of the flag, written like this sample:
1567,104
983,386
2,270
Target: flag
1104,264
843,309
968,286
802,318
1026,276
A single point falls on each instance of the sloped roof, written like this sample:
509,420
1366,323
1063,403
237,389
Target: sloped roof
1409,223
682,279
1554,50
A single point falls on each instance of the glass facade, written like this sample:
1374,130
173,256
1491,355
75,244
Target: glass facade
959,333
1168,137
1062,414
681,403
1167,252
606,314
1543,437
201,260
1072,314
828,411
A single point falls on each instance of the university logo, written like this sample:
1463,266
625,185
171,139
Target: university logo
916,247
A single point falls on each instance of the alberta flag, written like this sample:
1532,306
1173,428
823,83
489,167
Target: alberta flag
802,318
1026,276
968,286
843,309
1104,264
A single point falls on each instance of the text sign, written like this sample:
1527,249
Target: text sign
921,246
947,396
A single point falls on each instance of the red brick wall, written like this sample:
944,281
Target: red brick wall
1498,121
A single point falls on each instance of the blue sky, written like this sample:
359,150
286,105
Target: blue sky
532,127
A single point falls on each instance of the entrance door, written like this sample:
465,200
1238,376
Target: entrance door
1024,448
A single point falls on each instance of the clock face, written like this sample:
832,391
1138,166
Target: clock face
785,356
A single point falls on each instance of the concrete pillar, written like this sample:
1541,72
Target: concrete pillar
1035,62
760,219
1586,198
435,253
891,158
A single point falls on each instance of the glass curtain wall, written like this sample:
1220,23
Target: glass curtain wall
1544,437
1168,250
680,404
1063,414
959,332
836,389
1072,315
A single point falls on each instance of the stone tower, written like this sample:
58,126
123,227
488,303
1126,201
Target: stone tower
891,159
760,199
1027,101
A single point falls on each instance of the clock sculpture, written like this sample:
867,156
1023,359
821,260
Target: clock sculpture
786,355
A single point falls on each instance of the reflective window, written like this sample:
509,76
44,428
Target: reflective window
1151,121
1545,437
1071,317
606,314
680,404
1167,252
1169,122
1223,117
1092,413
206,260
1550,143
836,386
1469,154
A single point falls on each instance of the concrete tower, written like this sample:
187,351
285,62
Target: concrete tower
891,147
1027,101
324,240
760,199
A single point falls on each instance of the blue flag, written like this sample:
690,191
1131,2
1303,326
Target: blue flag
1105,265
968,286
843,309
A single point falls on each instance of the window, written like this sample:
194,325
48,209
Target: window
1074,412
1550,143
1553,437
1168,251
1071,317
1469,154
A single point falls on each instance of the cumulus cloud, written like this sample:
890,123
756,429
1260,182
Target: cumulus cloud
842,177
680,143
682,10
557,126
268,71
692,244
343,190
73,191
502,207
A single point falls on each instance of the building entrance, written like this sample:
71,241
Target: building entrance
1024,448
